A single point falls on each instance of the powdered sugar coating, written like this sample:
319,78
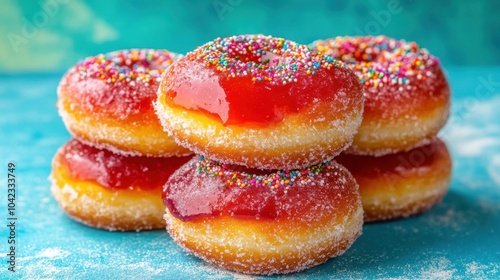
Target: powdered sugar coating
297,142
107,100
125,214
262,229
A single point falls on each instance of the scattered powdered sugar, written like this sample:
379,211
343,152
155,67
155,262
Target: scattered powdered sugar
494,169
477,146
475,270
41,265
89,267
474,140
452,219
442,268
48,253
472,133
438,269
44,269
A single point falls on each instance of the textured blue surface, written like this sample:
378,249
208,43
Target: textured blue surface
457,239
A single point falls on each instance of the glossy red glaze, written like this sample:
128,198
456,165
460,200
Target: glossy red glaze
115,171
190,195
241,101
255,80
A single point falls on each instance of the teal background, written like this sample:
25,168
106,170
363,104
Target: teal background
52,35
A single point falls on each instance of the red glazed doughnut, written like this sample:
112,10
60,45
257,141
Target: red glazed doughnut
261,102
401,184
110,191
263,222
407,97
106,101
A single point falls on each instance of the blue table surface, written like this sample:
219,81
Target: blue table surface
457,239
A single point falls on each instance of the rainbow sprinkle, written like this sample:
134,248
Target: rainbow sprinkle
242,179
380,60
264,58
143,65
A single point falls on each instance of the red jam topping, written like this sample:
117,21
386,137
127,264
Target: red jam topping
115,171
123,83
204,188
253,79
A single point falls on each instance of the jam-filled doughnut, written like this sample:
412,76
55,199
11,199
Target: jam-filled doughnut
407,97
263,222
261,102
107,101
401,184
110,191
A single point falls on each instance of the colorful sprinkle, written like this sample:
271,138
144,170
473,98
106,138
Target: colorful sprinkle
380,60
143,65
264,58
242,179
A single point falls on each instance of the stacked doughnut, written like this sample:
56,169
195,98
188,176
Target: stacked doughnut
266,117
111,175
401,166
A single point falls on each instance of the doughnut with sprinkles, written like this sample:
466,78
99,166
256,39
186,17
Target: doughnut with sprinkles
407,97
263,222
107,101
261,102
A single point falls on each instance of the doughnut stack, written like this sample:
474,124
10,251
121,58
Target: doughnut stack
111,174
401,166
272,123
266,117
